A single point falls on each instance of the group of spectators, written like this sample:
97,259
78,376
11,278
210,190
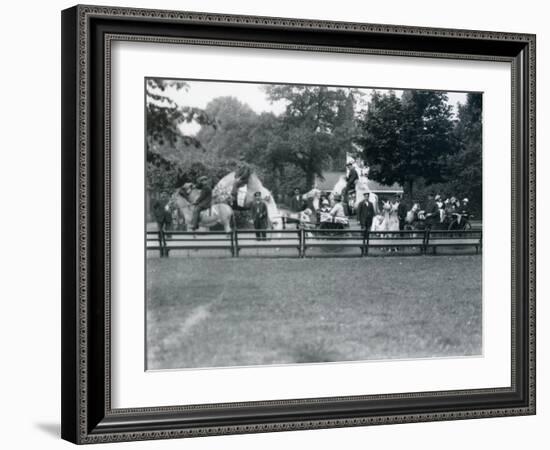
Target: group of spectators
395,210
439,210
323,207
313,209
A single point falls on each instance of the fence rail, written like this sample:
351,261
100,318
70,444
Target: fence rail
302,240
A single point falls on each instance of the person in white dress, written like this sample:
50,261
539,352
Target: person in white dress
393,217
381,221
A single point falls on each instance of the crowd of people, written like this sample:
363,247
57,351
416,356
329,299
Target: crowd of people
332,210
391,214
439,210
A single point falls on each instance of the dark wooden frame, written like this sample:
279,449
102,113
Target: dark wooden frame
87,32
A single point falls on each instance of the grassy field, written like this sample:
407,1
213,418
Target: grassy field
205,312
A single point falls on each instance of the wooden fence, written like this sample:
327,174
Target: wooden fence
302,240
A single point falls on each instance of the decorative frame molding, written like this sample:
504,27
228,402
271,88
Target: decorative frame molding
87,34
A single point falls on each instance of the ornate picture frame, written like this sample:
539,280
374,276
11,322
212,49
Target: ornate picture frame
88,33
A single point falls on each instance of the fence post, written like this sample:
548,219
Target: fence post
366,241
301,243
284,222
236,242
232,242
480,242
426,239
162,244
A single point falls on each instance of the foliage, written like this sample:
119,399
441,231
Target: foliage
413,140
463,168
163,119
164,116
234,124
466,163
307,137
407,138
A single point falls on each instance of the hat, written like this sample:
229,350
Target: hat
325,202
203,178
257,194
337,197
465,200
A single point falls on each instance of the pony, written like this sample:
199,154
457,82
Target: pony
219,213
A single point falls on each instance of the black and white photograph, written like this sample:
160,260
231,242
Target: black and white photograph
306,224
275,225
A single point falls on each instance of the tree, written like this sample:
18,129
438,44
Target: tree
164,116
163,135
407,138
234,123
345,130
266,148
466,164
380,137
306,138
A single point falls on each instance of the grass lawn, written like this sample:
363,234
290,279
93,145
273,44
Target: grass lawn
207,312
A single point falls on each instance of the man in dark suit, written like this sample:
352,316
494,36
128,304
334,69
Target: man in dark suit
431,211
161,212
259,215
297,203
365,212
401,211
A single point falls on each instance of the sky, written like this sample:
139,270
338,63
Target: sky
200,93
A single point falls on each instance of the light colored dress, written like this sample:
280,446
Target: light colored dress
393,220
381,221
378,223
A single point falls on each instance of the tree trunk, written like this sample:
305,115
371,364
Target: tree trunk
310,179
409,192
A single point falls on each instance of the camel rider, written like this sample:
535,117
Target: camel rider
204,201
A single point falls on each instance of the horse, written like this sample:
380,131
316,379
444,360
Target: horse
218,213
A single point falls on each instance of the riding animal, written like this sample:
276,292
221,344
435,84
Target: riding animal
238,188
361,187
219,213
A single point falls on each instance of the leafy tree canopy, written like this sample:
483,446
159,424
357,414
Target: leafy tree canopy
311,135
407,138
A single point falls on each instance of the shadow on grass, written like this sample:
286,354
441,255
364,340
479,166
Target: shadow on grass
313,352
